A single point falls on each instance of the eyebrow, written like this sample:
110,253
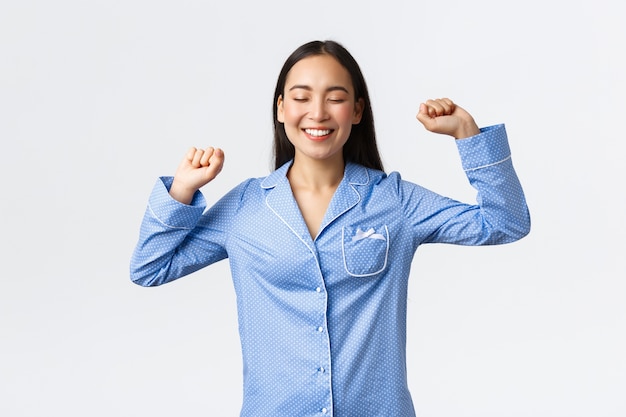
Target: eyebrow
308,88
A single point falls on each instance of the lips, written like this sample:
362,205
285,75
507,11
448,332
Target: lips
317,134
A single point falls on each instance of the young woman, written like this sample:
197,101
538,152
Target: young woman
320,250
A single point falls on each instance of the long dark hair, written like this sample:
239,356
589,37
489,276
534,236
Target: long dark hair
361,145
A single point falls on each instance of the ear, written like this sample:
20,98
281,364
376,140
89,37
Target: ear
280,111
358,111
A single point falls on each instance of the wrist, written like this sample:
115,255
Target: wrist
181,193
467,129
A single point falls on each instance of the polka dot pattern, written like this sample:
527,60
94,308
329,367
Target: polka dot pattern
323,322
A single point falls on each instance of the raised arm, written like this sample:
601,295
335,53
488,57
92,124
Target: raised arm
173,239
500,214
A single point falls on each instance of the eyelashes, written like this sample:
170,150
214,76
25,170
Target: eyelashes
330,100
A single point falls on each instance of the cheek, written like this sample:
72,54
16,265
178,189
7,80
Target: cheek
289,117
344,114
291,114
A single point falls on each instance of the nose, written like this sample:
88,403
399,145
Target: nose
318,110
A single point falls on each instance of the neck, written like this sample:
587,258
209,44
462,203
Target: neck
316,174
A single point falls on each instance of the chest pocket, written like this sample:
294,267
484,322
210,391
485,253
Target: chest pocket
364,250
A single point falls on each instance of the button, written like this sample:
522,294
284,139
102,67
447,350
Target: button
318,289
320,329
322,370
324,410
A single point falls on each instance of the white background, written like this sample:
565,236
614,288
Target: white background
98,98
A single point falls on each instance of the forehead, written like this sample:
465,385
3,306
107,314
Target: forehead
321,71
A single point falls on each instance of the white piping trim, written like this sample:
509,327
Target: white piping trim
317,262
345,264
291,228
349,208
165,224
489,165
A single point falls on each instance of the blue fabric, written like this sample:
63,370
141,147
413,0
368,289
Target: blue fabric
323,322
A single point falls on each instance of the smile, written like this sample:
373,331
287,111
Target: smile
318,132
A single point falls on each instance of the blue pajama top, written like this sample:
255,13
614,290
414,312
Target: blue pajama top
323,322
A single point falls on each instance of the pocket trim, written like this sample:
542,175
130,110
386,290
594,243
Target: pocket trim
343,254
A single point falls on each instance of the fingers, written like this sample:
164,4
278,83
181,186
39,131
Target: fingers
190,154
437,107
202,157
216,162
443,116
195,162
206,155
431,110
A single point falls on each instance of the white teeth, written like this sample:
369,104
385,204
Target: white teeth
316,132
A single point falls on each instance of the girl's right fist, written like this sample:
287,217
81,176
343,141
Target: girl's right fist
197,169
